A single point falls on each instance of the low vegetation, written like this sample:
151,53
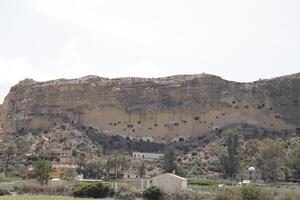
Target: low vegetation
152,193
92,190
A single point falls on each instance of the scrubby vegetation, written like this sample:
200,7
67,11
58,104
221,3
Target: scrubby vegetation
152,193
92,189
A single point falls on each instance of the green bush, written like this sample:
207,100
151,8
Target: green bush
250,193
152,193
3,192
92,189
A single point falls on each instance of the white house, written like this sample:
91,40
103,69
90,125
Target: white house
170,183
158,156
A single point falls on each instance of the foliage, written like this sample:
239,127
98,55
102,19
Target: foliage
81,162
42,169
92,189
229,162
9,152
30,187
169,163
125,192
293,162
270,158
3,192
2,176
125,196
201,182
68,175
152,193
141,170
250,193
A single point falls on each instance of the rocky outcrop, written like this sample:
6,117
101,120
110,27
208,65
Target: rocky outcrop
185,106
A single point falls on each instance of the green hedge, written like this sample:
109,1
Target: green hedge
92,189
202,182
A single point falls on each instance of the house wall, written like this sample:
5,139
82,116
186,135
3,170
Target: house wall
168,183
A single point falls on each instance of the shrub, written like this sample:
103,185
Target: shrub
152,193
68,175
288,197
2,177
3,192
92,189
35,188
266,195
150,168
125,196
250,193
125,191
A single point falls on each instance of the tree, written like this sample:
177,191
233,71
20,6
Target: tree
100,166
108,166
293,162
232,147
91,170
9,152
269,158
141,170
42,169
169,163
81,162
229,161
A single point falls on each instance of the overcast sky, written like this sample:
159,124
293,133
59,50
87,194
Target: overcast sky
237,40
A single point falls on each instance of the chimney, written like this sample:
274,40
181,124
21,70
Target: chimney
174,172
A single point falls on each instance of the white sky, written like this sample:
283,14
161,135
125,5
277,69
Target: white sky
238,40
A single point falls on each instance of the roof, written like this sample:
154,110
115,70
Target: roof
251,168
173,175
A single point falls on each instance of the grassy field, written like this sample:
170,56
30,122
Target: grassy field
41,197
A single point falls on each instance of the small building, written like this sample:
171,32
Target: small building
170,183
158,156
252,175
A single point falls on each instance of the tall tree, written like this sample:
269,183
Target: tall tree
81,162
141,170
42,169
109,165
229,161
269,158
169,162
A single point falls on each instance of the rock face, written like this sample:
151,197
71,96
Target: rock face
177,107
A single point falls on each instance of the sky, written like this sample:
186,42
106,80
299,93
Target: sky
236,39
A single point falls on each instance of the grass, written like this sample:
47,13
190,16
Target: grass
40,197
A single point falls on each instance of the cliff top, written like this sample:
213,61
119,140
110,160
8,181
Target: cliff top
128,80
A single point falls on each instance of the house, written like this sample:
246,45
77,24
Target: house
170,183
158,156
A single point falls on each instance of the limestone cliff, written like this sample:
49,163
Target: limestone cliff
166,108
